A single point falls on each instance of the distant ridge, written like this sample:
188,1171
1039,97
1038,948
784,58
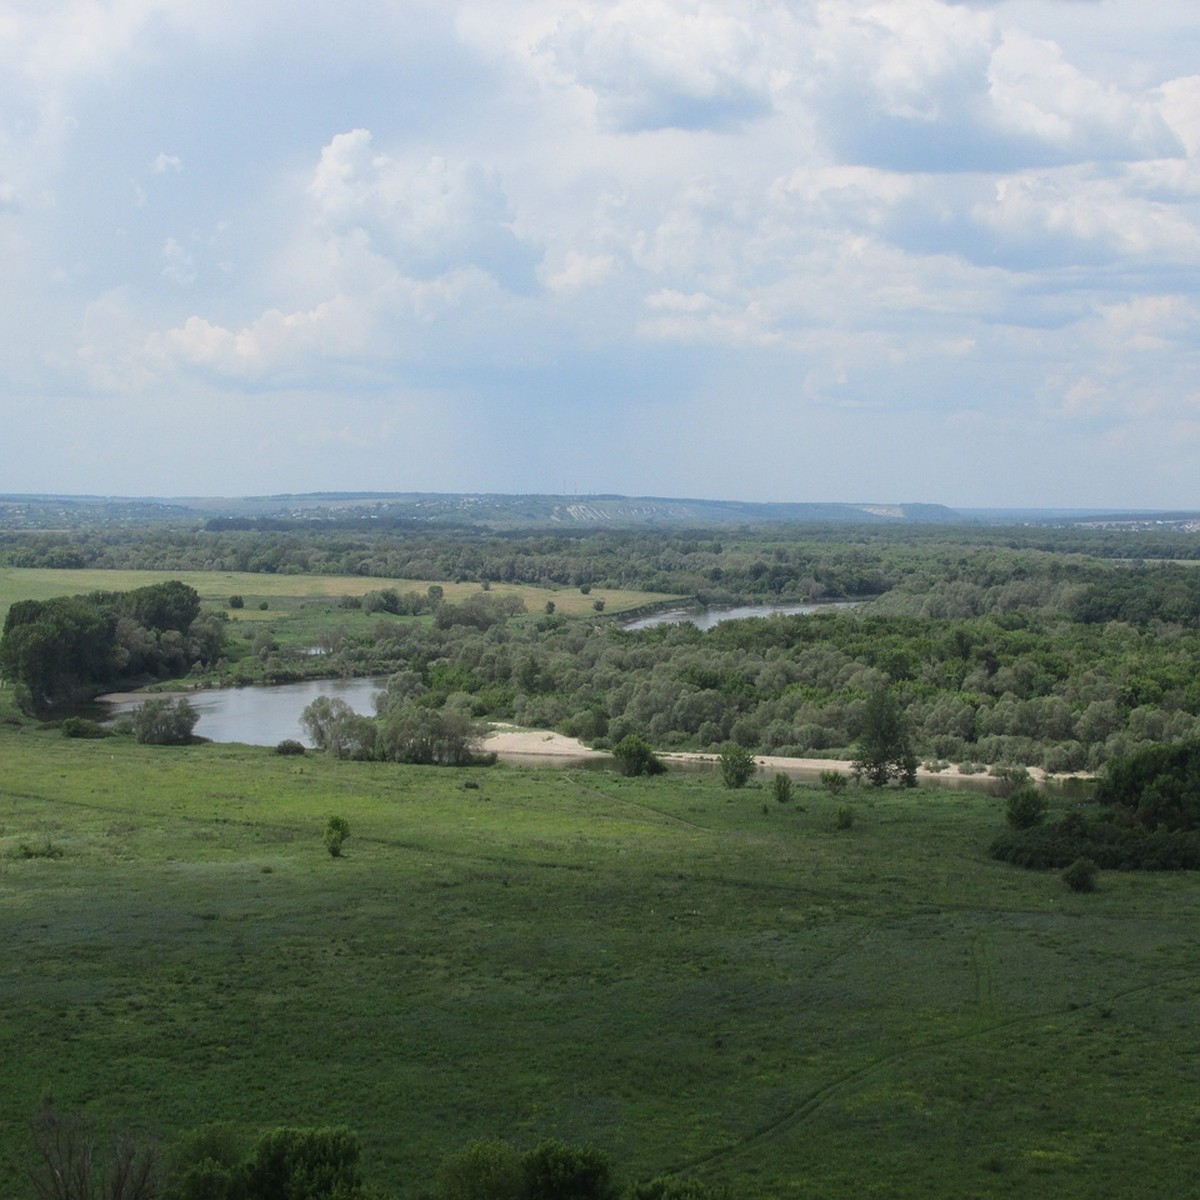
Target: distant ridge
500,511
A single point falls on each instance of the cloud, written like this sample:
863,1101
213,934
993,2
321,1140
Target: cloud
916,86
425,217
662,65
166,163
177,264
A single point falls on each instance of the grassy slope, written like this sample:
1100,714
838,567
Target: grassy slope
659,967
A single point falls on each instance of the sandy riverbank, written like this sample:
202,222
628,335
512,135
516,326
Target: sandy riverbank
543,743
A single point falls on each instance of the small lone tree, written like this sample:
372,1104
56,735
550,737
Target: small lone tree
781,787
337,830
884,749
737,765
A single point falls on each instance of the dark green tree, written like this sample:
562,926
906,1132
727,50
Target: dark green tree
884,748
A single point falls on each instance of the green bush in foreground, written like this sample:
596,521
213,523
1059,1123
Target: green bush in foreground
635,757
82,727
781,788
737,765
337,830
1025,808
1080,876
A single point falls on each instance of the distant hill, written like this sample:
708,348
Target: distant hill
449,510
505,511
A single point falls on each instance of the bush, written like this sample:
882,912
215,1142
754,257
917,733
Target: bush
781,788
484,1170
1025,808
1080,876
737,765
844,818
304,1164
635,757
82,727
337,830
237,601
289,746
162,722
556,1171
834,782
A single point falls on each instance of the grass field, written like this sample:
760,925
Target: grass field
215,587
688,979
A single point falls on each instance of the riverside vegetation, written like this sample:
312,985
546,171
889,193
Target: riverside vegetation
796,990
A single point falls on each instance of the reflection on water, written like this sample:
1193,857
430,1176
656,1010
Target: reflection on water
706,618
264,716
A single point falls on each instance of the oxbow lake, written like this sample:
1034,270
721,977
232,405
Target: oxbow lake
265,715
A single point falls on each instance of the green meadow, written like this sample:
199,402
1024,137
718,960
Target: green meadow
290,593
693,979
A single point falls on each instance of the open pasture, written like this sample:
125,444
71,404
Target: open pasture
692,978
215,588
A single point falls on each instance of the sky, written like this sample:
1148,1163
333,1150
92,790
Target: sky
939,251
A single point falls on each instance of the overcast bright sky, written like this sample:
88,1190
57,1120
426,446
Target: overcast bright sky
888,250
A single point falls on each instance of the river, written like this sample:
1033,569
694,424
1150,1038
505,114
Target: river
706,618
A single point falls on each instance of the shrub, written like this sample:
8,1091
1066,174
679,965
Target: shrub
1025,808
737,765
304,1163
337,830
834,782
844,818
237,601
484,1170
82,727
598,605
781,788
162,722
635,757
556,1171
46,850
1080,876
289,746
677,1188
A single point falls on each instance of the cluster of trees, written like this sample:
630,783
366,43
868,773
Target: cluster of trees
321,1163
1144,815
65,649
403,731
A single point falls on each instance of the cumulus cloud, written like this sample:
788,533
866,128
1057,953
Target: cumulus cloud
661,64
427,217
914,85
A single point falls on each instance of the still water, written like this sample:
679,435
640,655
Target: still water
265,715
706,618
